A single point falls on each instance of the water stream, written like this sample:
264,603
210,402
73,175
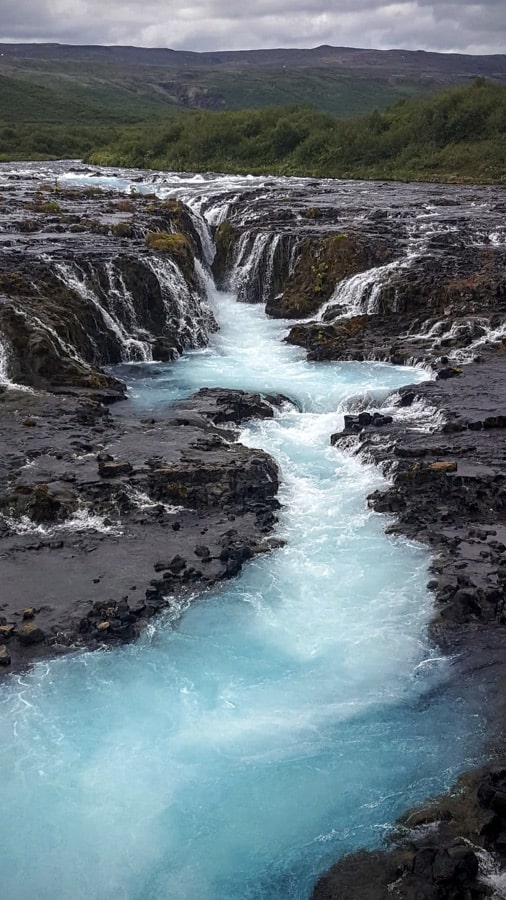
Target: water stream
239,747
251,737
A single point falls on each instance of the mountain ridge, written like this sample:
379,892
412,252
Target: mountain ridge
325,55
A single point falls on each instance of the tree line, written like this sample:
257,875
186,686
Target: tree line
457,134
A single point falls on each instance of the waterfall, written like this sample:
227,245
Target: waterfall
132,348
187,312
4,364
162,306
5,379
258,258
360,294
207,212
489,335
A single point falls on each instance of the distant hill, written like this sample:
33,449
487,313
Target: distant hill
59,83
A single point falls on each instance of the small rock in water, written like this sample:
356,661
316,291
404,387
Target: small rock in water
5,659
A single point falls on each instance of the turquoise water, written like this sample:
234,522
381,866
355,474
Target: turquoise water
243,744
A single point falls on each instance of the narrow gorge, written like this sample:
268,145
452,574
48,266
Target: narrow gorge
252,527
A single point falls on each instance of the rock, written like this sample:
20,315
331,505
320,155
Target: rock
6,631
449,372
5,659
29,612
114,468
202,551
442,467
177,564
29,633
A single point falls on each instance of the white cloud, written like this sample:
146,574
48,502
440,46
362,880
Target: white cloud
218,25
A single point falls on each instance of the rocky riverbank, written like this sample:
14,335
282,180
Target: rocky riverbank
447,490
108,520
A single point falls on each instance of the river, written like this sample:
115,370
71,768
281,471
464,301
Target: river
252,736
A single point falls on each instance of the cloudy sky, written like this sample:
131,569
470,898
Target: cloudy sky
462,26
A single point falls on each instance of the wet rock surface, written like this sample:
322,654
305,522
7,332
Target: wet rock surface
107,520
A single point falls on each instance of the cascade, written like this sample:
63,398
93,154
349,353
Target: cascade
360,294
4,364
489,335
131,348
188,314
261,259
206,214
134,323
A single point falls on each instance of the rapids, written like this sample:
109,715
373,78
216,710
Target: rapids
254,735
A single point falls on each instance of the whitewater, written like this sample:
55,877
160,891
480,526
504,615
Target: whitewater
253,734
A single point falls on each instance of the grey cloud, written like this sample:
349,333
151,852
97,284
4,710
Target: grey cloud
217,25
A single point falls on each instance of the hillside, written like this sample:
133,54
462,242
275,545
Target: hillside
63,83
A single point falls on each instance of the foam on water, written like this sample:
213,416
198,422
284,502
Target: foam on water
81,520
251,737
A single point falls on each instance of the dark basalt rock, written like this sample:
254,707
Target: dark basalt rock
437,852
154,487
225,239
355,425
30,633
234,406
